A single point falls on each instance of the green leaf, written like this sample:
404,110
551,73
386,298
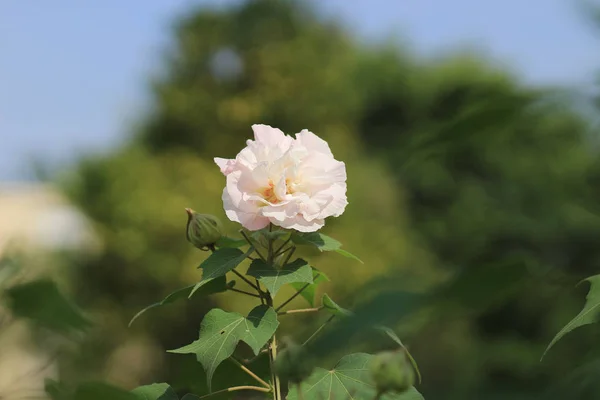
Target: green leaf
309,293
156,391
334,308
102,391
217,285
588,315
230,242
41,302
323,243
274,279
349,379
392,335
221,331
346,253
219,263
320,241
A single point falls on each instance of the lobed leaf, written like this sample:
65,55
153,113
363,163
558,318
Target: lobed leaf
221,331
323,243
316,239
349,379
219,263
296,272
310,291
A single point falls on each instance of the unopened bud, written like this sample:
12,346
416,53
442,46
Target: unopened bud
203,230
392,372
292,363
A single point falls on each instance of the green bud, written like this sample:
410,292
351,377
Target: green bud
292,363
392,372
203,230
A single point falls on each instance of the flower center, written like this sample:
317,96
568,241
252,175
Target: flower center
269,195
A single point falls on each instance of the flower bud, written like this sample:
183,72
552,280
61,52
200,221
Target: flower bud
292,363
392,372
203,230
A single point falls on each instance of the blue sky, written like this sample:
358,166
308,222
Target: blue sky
73,73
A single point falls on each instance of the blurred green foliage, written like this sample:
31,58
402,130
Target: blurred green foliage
454,166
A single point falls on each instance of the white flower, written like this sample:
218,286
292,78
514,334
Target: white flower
293,183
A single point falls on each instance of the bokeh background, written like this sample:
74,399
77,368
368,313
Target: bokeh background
470,134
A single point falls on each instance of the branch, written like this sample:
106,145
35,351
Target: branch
242,277
282,246
252,245
244,292
249,372
302,289
235,388
319,329
300,310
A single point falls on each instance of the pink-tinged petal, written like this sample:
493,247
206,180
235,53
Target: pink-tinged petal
226,166
300,224
272,138
281,212
332,201
253,222
295,184
280,188
246,213
252,181
313,143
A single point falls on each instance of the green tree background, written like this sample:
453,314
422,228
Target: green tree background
453,165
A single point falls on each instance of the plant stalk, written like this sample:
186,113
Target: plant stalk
235,388
252,374
273,345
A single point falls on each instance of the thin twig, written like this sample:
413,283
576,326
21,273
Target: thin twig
252,245
319,329
300,310
242,277
262,296
282,246
287,258
249,372
244,292
303,288
284,251
236,388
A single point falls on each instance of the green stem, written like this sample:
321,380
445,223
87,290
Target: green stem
302,289
252,245
319,329
282,246
300,310
252,374
235,388
242,277
244,292
287,258
273,345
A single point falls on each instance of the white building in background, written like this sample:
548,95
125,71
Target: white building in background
34,218
39,217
